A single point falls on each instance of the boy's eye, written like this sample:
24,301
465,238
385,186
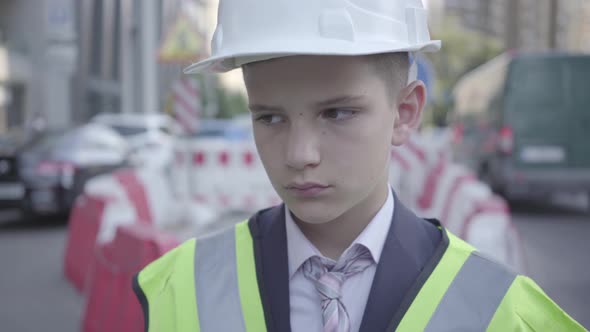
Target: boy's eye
269,119
339,114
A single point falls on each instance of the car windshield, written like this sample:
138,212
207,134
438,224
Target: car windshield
128,130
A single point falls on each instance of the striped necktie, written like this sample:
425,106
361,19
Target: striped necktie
328,278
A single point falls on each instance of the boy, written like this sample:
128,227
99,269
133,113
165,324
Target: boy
329,93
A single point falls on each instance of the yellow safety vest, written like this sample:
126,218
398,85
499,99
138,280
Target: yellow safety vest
211,285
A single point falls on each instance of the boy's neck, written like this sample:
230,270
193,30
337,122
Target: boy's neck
334,237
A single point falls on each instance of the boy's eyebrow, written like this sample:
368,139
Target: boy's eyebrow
339,100
261,108
322,104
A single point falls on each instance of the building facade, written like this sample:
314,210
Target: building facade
118,69
38,43
527,25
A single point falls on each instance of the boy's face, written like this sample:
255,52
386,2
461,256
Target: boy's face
324,127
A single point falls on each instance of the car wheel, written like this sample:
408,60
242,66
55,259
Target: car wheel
483,173
27,214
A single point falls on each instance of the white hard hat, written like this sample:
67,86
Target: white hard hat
254,30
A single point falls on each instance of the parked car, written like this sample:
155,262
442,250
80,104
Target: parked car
231,129
533,138
12,189
150,136
49,167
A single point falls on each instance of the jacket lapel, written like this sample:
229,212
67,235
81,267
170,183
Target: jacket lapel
409,247
412,248
270,246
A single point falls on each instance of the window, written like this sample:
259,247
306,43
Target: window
128,130
96,39
165,130
117,42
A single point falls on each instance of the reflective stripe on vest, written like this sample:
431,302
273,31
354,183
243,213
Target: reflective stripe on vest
225,273
477,289
462,293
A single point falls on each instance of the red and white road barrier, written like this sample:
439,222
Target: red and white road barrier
144,195
415,160
84,224
125,197
165,205
111,304
227,175
126,219
466,206
136,193
211,176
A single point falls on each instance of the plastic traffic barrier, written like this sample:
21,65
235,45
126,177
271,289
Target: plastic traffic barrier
111,305
435,187
84,224
228,175
413,162
136,193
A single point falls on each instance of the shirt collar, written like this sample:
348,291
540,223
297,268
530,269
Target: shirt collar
300,249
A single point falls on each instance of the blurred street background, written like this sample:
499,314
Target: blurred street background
94,109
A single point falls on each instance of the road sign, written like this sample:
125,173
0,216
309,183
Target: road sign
426,74
60,20
183,43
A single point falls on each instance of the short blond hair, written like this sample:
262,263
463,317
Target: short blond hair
393,68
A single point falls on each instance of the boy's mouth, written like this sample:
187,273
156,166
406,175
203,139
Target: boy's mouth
306,189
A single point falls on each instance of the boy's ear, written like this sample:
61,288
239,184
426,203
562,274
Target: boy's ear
410,103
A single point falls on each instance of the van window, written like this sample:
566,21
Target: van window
537,83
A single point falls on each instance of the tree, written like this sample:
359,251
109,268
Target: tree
462,51
231,103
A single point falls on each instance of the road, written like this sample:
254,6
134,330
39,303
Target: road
35,296
556,241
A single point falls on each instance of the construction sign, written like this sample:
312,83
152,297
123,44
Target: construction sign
183,43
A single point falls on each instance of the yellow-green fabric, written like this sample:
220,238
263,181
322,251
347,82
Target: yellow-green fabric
527,308
524,307
248,282
423,306
169,287
168,284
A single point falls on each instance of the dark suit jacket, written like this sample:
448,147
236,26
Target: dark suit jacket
412,250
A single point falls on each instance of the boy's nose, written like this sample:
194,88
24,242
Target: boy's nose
302,149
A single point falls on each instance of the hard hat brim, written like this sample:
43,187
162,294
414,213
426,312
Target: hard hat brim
234,59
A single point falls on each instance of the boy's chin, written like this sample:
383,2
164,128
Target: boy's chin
314,214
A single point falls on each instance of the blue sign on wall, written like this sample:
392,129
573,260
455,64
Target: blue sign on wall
426,73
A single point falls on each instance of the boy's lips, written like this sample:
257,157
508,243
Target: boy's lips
305,185
306,189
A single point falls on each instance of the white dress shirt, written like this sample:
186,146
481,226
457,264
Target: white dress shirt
306,312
